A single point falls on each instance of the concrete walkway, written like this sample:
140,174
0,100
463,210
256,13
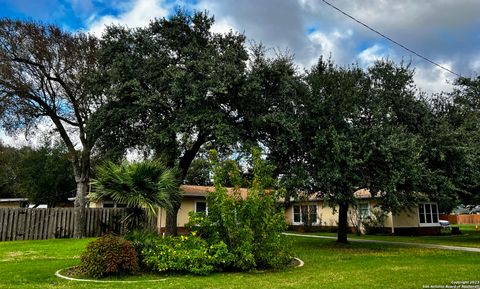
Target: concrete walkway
422,245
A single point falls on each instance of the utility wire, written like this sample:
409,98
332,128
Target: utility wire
391,40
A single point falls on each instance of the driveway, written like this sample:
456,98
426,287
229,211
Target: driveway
422,245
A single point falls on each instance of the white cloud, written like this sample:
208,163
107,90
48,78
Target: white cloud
138,14
33,139
434,79
373,53
223,25
325,44
475,64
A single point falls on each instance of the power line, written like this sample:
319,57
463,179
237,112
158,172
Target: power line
391,40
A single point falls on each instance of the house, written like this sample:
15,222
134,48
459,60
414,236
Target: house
418,220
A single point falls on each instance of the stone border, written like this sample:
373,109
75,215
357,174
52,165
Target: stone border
300,264
101,281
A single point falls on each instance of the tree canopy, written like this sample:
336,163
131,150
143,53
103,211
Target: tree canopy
352,132
175,86
45,76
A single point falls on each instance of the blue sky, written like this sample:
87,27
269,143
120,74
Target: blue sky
445,31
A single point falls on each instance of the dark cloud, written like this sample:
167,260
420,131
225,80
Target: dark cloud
443,30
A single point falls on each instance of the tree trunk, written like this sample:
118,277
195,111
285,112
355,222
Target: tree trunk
171,221
342,223
82,178
183,165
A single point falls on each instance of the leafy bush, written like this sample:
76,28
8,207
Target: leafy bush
187,253
251,228
141,240
108,255
375,222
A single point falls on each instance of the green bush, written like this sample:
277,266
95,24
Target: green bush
186,254
108,255
375,222
141,240
252,227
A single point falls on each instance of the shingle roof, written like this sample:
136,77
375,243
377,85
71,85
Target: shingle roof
201,191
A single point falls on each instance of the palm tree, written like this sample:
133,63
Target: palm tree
142,186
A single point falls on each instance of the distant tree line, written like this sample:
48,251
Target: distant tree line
42,175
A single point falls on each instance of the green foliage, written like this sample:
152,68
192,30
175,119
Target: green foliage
176,85
453,139
142,186
199,172
108,255
186,254
42,175
252,227
142,240
375,222
355,129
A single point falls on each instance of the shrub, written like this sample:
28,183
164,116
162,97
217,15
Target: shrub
108,255
186,253
375,222
251,228
141,240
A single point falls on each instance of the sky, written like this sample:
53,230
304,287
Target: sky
445,31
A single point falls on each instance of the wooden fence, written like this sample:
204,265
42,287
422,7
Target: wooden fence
461,219
37,224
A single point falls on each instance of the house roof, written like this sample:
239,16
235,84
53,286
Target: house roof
360,194
363,194
202,191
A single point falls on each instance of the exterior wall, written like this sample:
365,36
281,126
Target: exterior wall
10,204
406,218
289,215
328,216
405,222
187,206
95,205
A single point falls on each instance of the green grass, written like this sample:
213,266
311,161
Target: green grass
31,264
469,238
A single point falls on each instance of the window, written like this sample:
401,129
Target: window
300,213
201,207
428,214
363,210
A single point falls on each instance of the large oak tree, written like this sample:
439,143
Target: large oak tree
353,129
176,86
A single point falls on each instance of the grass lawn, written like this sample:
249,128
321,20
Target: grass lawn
469,237
31,264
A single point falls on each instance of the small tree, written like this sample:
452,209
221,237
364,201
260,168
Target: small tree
252,227
375,221
143,187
